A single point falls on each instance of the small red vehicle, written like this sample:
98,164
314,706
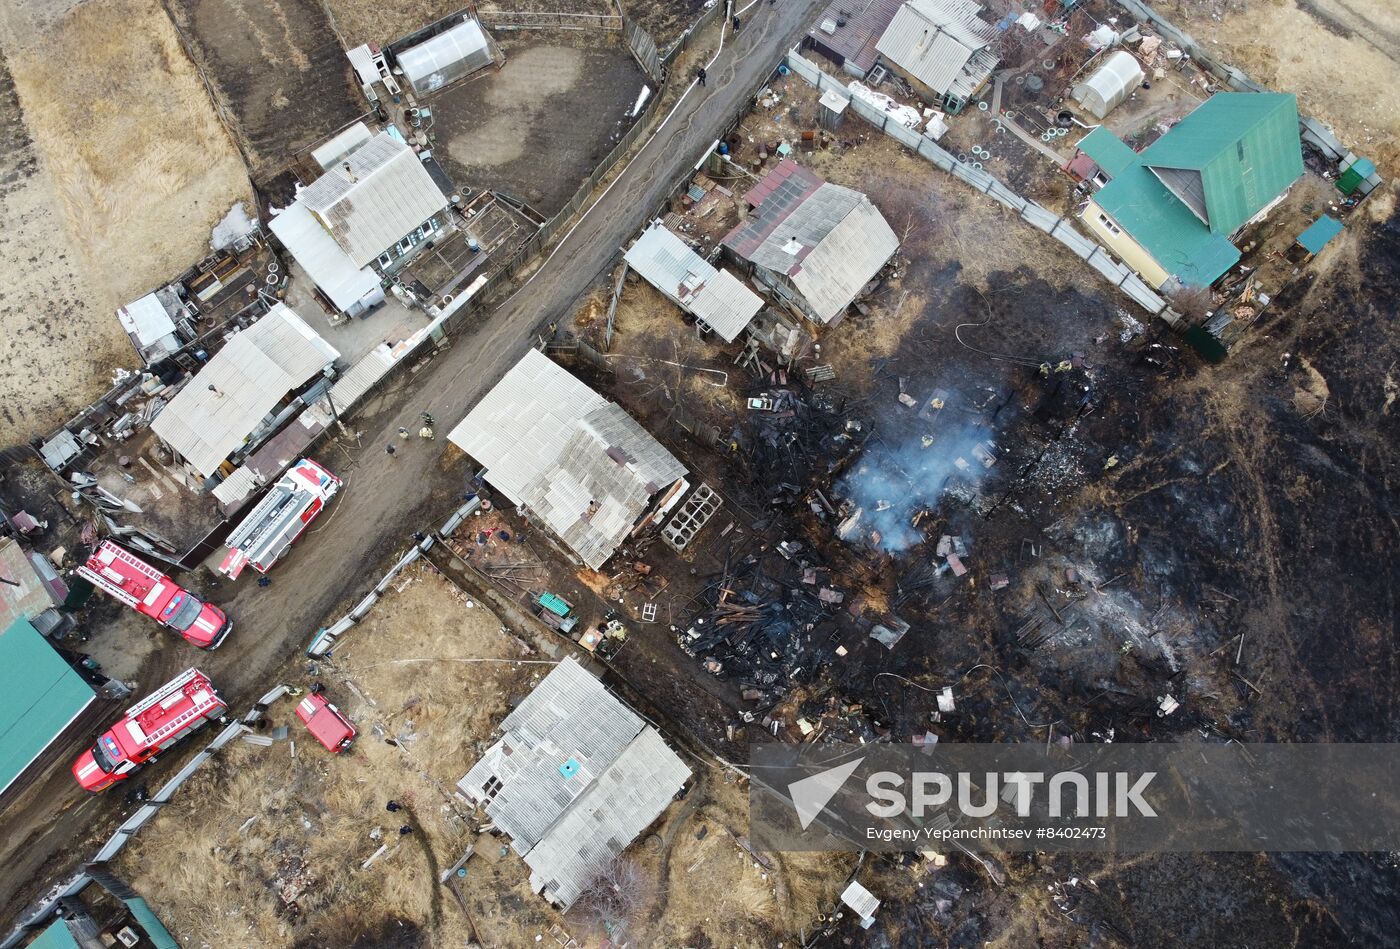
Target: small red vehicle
330,726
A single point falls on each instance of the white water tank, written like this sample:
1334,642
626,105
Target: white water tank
1110,84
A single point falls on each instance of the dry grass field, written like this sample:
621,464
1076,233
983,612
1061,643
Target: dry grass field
268,847
113,170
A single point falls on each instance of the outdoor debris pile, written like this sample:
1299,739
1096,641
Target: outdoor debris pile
792,436
766,629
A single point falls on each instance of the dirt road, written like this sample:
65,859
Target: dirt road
387,498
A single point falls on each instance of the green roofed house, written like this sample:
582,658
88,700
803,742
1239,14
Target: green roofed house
41,697
1171,210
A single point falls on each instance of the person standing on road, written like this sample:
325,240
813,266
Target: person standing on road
700,75
403,432
389,450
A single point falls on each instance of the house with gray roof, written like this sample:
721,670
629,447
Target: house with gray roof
575,777
815,244
578,463
230,406
363,220
942,47
716,298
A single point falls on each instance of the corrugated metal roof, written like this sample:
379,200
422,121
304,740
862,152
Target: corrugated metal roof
383,195
146,320
1247,152
601,483
358,379
450,55
622,803
40,695
362,61
580,776
521,426
552,444
830,240
237,486
726,305
1320,233
55,936
716,297
1245,147
253,372
866,21
1107,150
28,592
850,255
155,930
933,40
322,258
568,716
341,145
970,78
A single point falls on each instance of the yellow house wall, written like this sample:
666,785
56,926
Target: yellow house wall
1130,251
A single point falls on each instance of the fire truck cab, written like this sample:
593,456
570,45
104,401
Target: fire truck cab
279,518
129,579
149,727
331,728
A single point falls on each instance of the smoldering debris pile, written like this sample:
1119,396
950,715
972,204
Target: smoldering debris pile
762,629
792,435
895,485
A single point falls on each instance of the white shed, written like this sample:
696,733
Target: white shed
446,57
1110,84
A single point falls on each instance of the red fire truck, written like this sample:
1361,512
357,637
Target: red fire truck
149,727
146,590
279,518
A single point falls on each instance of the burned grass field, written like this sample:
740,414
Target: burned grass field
1022,494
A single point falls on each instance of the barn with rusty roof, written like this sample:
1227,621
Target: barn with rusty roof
816,245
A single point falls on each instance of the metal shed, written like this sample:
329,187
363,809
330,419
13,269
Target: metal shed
445,58
1110,84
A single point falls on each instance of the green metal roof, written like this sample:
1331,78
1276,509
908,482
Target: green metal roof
1107,150
39,695
1141,204
154,928
1245,148
56,936
1233,155
1319,233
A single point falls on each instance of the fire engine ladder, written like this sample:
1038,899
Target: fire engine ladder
175,724
155,698
268,519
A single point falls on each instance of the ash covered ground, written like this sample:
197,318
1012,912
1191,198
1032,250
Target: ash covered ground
1124,522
